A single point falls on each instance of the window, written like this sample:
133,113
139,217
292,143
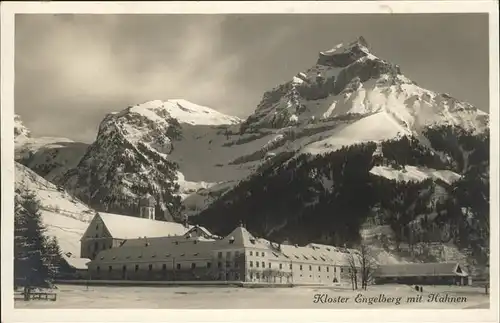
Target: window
220,254
257,253
263,254
150,267
251,253
251,275
257,275
319,268
257,264
164,267
269,265
124,268
290,266
281,266
228,254
300,267
228,264
341,270
263,265
178,266
193,265
219,264
110,268
209,264
334,269
310,268
251,263
236,253
98,269
327,269
136,268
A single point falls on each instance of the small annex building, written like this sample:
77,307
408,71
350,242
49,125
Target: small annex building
73,267
446,273
108,230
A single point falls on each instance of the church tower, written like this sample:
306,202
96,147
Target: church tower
147,207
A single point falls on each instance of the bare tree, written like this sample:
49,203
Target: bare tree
367,264
353,269
362,266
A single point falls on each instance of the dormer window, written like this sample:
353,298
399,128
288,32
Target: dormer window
177,242
231,240
167,255
182,255
252,240
147,244
153,256
102,258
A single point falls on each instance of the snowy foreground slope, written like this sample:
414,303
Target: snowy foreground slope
64,216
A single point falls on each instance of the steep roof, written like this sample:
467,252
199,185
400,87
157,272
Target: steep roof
243,238
421,269
129,227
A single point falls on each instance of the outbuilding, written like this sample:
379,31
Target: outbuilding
436,273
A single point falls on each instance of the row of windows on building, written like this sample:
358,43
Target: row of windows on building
237,253
263,276
257,264
178,266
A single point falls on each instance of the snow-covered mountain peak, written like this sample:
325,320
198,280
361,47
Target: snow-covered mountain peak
349,81
344,54
183,111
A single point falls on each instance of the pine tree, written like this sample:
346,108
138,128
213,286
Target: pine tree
31,268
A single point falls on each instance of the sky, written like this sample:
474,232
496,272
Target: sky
71,70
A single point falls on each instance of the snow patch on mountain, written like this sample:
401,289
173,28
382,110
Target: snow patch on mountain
20,130
415,173
365,130
64,216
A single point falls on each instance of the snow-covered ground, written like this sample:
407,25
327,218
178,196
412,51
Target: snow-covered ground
73,297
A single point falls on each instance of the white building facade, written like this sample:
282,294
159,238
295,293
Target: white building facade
239,257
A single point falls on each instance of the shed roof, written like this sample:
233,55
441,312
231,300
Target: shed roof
421,269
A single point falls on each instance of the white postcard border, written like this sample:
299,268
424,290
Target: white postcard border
9,9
